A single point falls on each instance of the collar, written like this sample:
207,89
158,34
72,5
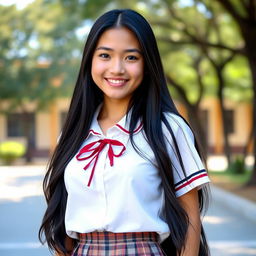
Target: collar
122,126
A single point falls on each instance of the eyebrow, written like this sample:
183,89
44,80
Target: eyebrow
110,49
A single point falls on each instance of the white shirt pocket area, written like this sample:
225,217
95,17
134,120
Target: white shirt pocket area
193,174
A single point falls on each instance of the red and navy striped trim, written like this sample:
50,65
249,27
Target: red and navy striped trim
126,131
95,133
91,131
191,178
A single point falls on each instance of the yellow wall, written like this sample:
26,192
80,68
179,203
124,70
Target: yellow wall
243,122
2,128
215,138
48,123
43,130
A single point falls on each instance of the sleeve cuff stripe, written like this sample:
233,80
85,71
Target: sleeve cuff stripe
190,176
190,181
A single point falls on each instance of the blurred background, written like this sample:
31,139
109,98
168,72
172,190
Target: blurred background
208,49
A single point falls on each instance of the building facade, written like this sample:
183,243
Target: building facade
45,126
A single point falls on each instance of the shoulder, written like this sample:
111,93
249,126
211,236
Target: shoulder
177,124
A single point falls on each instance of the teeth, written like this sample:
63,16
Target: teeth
116,81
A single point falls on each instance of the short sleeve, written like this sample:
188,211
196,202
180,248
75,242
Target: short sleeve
195,175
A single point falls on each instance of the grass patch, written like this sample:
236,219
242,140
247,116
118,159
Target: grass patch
229,177
234,183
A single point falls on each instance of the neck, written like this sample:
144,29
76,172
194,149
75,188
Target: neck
112,111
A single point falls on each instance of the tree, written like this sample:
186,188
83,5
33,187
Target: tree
244,14
35,64
219,60
191,58
198,30
244,17
199,24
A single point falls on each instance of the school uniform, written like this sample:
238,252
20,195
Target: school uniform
115,198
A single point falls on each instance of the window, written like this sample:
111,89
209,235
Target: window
21,125
204,119
230,120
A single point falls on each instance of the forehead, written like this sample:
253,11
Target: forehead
119,37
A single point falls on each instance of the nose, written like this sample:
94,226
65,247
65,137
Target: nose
117,66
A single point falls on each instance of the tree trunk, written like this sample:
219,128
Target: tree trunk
248,31
196,123
249,34
193,111
225,123
252,63
27,130
247,143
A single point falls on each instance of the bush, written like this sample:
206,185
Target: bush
237,166
10,151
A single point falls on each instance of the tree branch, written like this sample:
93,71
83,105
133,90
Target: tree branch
196,41
200,41
228,59
230,8
196,65
178,19
163,24
252,10
210,21
179,89
218,65
244,3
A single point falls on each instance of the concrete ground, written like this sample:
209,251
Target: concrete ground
229,231
21,208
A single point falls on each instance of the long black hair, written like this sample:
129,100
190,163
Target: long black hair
149,101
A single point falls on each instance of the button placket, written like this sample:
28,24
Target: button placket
106,169
103,159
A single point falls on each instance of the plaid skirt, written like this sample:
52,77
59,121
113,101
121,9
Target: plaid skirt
118,244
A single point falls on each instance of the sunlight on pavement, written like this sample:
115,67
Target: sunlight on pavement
236,251
21,182
25,245
214,219
219,163
233,248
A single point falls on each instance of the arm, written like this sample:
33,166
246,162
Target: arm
69,244
189,202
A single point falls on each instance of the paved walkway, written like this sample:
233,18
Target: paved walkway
22,206
229,233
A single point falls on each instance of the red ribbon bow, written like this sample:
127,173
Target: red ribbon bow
96,151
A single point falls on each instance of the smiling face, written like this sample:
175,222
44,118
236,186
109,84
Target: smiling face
117,64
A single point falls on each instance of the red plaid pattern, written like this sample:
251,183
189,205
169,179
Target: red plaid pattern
118,244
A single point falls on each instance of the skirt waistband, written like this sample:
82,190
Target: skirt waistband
109,237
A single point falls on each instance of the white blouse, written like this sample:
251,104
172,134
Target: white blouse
113,188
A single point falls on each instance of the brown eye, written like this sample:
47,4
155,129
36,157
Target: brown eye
104,55
131,58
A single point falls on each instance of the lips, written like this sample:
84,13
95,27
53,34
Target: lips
116,81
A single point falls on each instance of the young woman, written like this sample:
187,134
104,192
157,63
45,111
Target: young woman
126,177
